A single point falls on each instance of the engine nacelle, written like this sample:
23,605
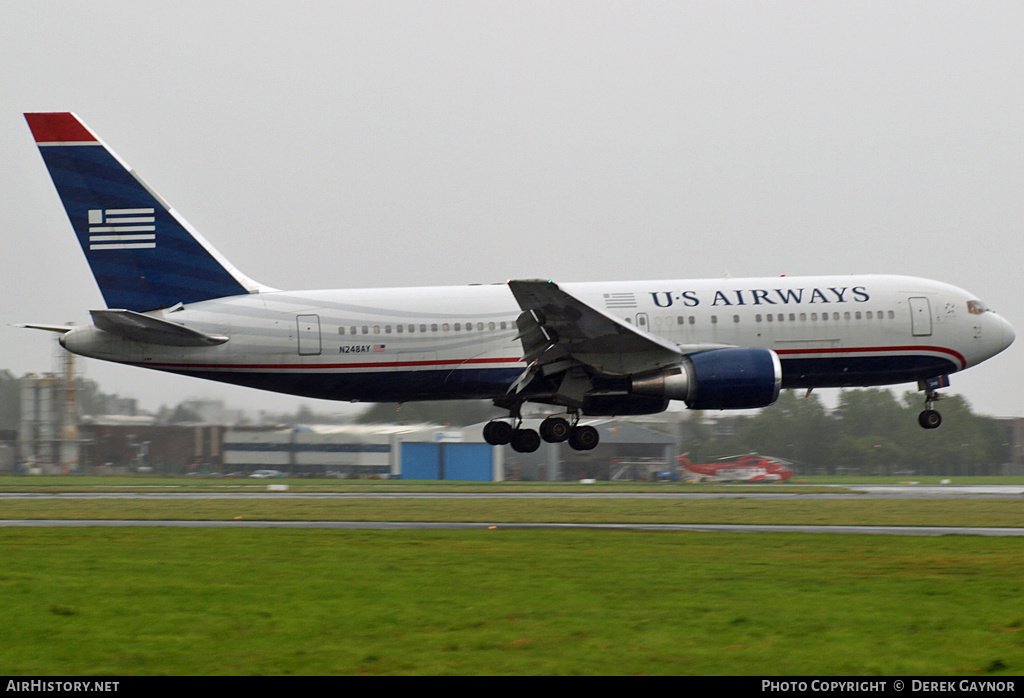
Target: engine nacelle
720,379
619,405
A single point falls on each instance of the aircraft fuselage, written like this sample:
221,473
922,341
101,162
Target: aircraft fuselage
403,344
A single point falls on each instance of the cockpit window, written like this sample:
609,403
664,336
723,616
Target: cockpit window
976,307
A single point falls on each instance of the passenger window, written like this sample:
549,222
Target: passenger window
444,327
366,330
341,330
735,318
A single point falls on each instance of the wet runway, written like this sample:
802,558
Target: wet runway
736,492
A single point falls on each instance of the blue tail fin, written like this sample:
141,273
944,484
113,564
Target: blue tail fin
143,254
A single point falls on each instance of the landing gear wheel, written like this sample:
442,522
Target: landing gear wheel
525,440
929,419
583,438
555,430
498,433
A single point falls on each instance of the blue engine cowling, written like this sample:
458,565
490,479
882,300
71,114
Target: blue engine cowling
720,379
619,405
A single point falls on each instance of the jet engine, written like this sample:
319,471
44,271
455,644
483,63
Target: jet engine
720,379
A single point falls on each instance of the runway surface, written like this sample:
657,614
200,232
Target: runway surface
849,492
740,492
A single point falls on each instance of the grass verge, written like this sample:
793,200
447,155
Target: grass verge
847,512
161,601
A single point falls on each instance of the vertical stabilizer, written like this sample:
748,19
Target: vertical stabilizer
143,255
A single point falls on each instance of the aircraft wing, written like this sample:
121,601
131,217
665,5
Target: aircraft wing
560,331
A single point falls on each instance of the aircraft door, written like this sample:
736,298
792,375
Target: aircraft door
920,317
642,322
309,334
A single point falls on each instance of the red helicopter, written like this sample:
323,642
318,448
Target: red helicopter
751,468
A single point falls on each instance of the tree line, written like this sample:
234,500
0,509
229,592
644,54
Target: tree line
870,432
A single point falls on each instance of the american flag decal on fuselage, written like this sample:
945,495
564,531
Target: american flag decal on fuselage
122,229
619,300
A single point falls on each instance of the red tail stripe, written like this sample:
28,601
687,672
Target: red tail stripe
58,127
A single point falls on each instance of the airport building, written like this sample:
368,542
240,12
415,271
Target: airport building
385,451
626,451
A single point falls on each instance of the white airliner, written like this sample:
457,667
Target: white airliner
617,348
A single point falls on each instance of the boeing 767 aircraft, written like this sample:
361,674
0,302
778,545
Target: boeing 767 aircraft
605,348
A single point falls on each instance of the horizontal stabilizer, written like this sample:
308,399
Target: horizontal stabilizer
151,330
63,329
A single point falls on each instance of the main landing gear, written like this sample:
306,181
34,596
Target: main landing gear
553,430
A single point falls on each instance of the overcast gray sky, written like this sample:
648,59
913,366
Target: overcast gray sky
347,144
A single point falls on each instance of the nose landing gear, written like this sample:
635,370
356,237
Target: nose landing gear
930,418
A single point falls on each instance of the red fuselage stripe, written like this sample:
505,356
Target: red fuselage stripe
456,363
874,350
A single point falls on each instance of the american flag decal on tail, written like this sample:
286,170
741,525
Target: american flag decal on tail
122,229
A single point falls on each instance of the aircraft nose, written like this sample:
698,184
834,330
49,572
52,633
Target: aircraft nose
1008,334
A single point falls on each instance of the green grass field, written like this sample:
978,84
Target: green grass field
845,512
144,601
122,602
